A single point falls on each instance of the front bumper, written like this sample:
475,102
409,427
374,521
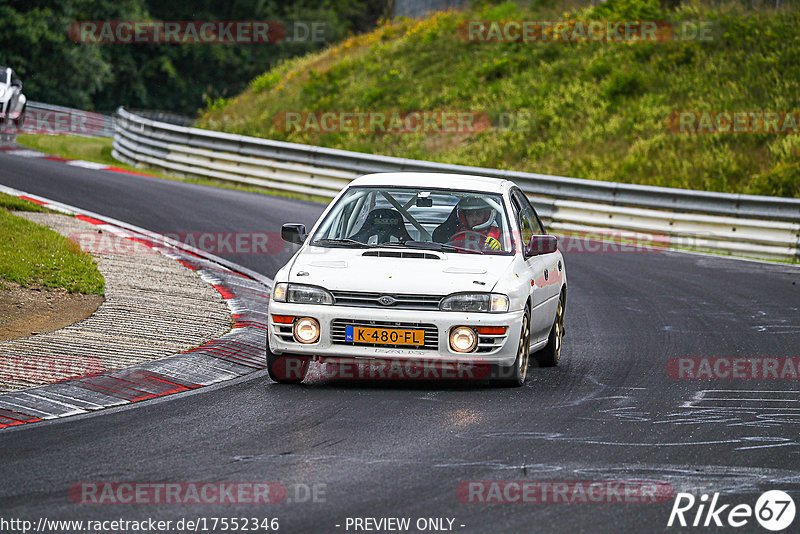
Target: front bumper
493,349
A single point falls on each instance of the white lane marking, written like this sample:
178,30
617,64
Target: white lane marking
71,409
755,400
86,164
787,391
751,400
25,153
73,401
25,410
766,446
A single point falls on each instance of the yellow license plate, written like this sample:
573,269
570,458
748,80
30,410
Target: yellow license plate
385,336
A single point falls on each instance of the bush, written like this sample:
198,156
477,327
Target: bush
623,84
782,181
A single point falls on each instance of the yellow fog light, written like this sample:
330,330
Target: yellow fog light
463,339
306,330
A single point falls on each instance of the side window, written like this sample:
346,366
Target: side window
528,221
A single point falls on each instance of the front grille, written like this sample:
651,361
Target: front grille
339,326
370,300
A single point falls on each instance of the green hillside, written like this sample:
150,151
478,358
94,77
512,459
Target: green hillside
597,110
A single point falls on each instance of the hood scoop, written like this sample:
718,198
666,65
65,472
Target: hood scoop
401,254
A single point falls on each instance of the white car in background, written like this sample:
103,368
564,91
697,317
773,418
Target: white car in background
420,267
12,101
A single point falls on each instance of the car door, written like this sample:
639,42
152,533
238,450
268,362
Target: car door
543,269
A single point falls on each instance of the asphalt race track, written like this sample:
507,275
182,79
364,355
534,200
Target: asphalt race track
609,412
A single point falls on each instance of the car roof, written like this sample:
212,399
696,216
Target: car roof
434,180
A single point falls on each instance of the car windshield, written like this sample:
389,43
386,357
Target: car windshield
436,219
4,75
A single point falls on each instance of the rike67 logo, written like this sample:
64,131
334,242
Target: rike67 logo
774,510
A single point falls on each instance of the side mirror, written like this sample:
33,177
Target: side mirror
294,233
541,244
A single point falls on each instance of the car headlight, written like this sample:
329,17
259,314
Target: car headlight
301,294
475,302
279,292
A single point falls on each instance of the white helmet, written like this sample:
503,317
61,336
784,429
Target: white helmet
479,205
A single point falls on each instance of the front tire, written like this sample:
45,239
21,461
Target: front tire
551,353
515,375
286,369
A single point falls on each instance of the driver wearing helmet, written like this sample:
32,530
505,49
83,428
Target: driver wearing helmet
476,228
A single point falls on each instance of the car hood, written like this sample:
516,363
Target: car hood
344,269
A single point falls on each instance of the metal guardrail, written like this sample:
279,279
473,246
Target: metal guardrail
49,119
164,116
419,8
758,226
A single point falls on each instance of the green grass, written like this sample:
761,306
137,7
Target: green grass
588,110
13,203
98,150
32,255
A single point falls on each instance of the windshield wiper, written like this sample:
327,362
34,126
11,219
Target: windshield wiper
430,245
345,241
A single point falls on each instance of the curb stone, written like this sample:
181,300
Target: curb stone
237,353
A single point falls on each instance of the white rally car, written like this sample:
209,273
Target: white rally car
420,267
12,101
